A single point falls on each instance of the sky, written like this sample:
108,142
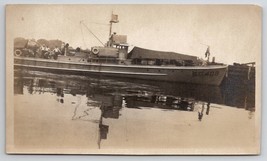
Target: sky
233,32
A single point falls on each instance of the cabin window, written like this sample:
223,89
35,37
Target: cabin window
158,62
144,62
151,62
137,61
172,62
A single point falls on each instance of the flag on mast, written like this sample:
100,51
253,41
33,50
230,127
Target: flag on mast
207,54
114,18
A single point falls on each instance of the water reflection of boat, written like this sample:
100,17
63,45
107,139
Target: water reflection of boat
83,85
134,91
114,60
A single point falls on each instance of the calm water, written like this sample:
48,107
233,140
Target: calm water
64,112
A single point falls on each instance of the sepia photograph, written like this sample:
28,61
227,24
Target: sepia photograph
135,79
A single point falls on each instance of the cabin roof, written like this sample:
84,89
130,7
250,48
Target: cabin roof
141,53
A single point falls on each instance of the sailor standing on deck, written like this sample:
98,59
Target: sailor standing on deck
46,51
62,48
56,52
42,48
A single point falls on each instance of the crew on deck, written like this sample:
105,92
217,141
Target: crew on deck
56,52
42,48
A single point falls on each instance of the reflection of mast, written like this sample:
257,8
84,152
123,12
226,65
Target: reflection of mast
103,129
110,108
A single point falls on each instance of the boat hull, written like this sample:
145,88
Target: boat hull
208,75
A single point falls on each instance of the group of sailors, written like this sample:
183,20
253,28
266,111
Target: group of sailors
47,53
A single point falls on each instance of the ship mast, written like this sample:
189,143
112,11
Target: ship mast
114,19
110,25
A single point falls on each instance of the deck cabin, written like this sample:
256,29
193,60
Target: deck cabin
115,51
141,56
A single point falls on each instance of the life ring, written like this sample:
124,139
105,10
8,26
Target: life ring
95,51
17,52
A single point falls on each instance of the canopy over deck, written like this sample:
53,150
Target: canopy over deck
141,53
